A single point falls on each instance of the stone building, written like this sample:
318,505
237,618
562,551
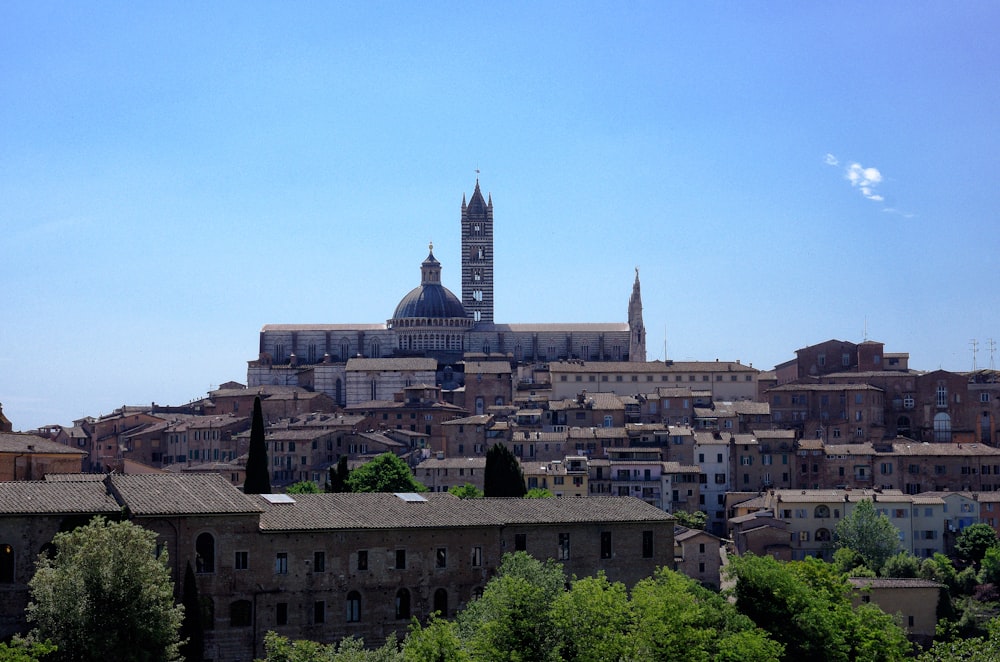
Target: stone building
327,566
30,457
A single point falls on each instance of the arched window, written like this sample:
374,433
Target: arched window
373,350
480,406
441,602
486,347
402,604
204,548
477,592
822,535
240,614
6,564
345,350
353,607
942,427
822,511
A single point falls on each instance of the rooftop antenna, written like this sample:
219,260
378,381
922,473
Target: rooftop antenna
991,344
865,334
974,344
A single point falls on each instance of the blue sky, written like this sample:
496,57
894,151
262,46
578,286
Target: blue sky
175,175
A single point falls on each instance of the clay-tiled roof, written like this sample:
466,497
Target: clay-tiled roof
850,449
453,463
392,364
629,367
382,511
953,449
823,387
874,582
16,442
487,368
479,419
590,509
195,494
35,498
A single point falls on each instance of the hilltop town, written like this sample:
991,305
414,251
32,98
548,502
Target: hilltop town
774,458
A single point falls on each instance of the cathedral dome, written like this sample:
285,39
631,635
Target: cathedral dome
431,300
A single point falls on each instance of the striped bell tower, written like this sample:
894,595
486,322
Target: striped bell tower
477,257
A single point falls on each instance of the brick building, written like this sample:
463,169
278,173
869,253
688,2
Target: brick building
327,566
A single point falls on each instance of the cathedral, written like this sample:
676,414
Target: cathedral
430,322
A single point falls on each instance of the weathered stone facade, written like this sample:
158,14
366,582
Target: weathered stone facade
327,566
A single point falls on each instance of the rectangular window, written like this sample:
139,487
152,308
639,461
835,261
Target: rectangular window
319,611
605,544
647,544
400,559
477,557
242,561
441,558
281,613
281,563
563,546
319,561
520,542
363,559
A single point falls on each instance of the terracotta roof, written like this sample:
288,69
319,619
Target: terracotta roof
392,364
323,327
169,494
649,366
15,442
453,463
487,367
873,582
479,419
927,448
29,497
823,387
381,511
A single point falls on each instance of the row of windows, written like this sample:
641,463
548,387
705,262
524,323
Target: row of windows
205,558
241,611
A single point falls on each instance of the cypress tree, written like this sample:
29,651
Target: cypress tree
338,476
258,481
503,477
192,631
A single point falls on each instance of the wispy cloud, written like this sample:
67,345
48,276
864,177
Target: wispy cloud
865,179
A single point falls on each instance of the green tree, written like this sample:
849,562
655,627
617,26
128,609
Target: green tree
696,520
467,491
105,595
538,493
192,632
338,477
258,479
973,541
593,621
503,476
511,622
989,567
302,487
901,566
806,606
678,619
351,649
435,642
25,650
384,473
869,533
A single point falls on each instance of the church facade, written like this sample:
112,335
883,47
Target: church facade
433,323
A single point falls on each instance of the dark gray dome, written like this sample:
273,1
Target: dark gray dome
430,300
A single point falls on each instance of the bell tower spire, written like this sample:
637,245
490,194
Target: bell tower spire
477,256
637,330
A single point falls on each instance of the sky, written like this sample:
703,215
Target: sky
173,176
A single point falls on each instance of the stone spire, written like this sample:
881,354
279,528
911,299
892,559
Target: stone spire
637,336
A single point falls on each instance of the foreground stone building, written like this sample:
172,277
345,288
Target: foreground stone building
326,566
